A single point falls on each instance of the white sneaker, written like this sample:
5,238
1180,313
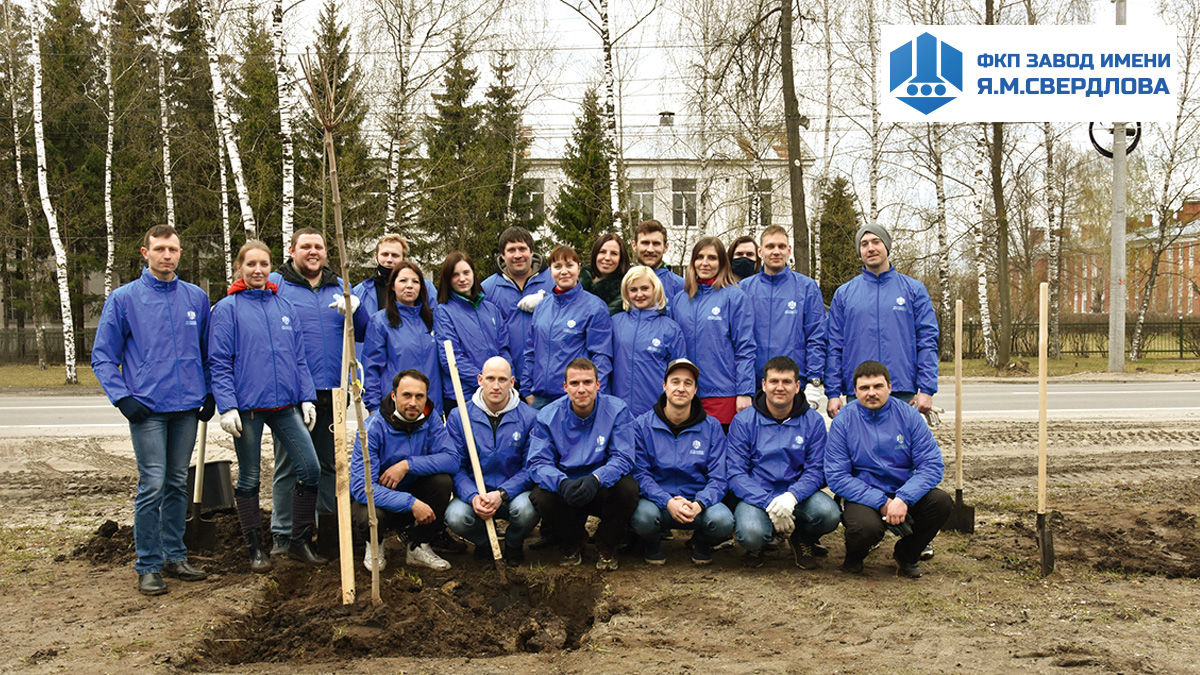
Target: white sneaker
370,563
423,556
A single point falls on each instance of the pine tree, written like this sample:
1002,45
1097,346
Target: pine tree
253,98
583,210
838,222
504,150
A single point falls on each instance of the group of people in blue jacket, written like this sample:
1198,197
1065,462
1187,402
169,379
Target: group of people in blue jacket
624,391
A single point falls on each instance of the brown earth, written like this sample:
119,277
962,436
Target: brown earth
1124,597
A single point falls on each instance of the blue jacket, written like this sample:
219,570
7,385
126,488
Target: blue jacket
644,342
564,446
672,283
566,326
322,324
152,344
503,293
767,457
718,329
387,351
501,452
887,318
691,465
873,455
789,320
424,444
477,333
256,353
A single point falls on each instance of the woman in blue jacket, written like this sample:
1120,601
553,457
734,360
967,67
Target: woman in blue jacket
260,376
399,337
568,324
602,278
473,325
718,329
645,340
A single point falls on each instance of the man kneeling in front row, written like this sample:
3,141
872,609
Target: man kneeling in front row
882,459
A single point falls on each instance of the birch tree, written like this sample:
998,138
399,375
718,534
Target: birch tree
1053,241
162,35
14,94
60,251
111,119
224,123
980,243
285,82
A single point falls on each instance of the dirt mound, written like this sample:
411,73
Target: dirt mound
110,544
463,611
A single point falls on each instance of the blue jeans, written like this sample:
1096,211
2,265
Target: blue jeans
714,523
287,426
162,444
518,511
540,401
818,515
285,470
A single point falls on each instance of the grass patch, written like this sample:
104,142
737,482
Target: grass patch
27,376
1069,365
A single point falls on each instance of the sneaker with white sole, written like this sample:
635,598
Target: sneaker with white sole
422,555
373,564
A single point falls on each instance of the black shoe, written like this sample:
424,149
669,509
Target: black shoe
927,553
514,554
911,570
806,559
183,571
301,550
151,583
753,559
820,551
444,543
852,566
280,545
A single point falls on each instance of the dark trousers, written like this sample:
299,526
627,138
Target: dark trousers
434,490
613,505
865,527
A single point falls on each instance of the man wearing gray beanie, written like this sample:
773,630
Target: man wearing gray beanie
882,315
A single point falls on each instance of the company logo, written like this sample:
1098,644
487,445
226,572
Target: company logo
900,301
656,342
516,435
900,438
599,440
571,323
287,321
696,444
799,440
791,304
716,311
922,69
191,315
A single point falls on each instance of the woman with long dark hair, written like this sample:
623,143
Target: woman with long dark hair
602,276
400,337
474,326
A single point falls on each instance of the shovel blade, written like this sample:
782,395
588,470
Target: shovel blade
1045,544
962,516
200,533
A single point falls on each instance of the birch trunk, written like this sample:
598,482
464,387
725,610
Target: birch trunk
1052,240
943,236
985,316
287,103
110,114
60,251
873,178
610,112
225,125
393,184
164,121
224,178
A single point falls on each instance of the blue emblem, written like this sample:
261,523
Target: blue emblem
925,77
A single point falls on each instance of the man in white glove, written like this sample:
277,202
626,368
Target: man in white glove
340,304
517,288
775,465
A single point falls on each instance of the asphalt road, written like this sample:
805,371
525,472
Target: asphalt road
1158,401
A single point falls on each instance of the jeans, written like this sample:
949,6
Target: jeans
518,511
818,515
434,490
713,525
162,444
285,469
865,527
286,425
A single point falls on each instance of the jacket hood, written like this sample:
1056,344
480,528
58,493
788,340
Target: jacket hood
388,409
513,400
695,416
240,285
291,275
799,404
535,266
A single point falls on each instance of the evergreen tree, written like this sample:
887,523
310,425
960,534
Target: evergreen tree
582,212
838,222
254,100
504,150
17,244
458,201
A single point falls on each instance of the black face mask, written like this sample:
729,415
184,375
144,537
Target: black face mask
742,267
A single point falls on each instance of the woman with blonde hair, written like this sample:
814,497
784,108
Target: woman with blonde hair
645,340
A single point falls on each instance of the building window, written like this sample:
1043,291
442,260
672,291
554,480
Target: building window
641,199
759,211
683,203
533,207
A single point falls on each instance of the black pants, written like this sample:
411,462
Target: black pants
865,527
434,490
613,505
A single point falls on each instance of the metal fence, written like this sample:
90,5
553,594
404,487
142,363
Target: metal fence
19,345
1178,339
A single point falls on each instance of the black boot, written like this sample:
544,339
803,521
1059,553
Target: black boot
250,519
304,514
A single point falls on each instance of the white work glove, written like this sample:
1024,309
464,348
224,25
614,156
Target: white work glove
340,304
309,412
933,417
782,511
530,302
231,422
814,393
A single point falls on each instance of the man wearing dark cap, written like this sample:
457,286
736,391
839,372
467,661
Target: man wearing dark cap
886,316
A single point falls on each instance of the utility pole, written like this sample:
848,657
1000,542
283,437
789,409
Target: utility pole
1116,273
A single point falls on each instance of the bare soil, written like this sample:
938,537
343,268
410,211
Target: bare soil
1124,597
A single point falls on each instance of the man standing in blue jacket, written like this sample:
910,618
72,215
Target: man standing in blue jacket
500,425
789,314
680,467
316,294
151,358
411,466
390,250
650,247
882,459
580,455
885,316
516,289
776,468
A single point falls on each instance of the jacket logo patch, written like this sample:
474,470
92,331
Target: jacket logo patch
191,318
656,342
516,435
791,304
799,440
899,438
696,444
287,322
716,311
571,323
599,440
